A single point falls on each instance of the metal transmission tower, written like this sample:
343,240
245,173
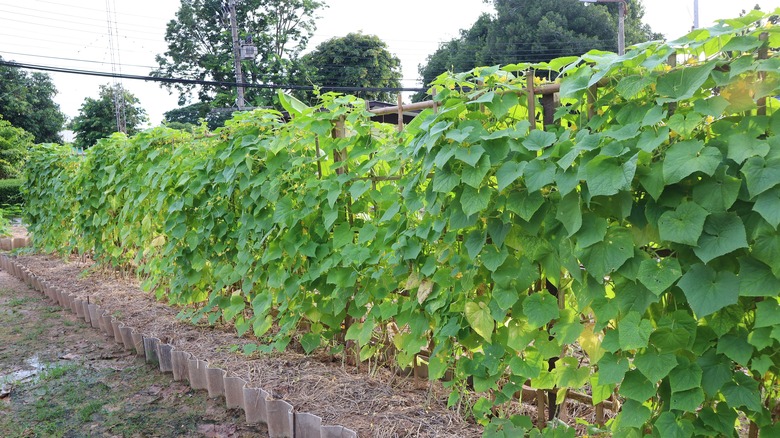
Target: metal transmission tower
119,93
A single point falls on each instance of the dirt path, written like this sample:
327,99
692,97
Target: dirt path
60,377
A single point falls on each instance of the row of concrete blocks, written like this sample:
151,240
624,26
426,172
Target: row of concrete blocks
9,243
258,405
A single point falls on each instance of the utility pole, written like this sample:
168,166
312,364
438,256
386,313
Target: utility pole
236,55
695,14
622,9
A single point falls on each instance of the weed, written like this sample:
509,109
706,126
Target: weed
91,408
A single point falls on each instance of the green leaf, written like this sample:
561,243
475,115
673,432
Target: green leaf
634,332
478,317
716,371
493,258
687,375
540,308
607,176
767,314
743,146
756,279
539,173
538,140
470,155
682,82
761,175
570,213
766,248
629,86
688,157
683,225
707,290
524,203
508,173
723,233
592,230
717,193
474,200
659,276
735,347
342,235
502,103
635,386
569,374
474,175
670,426
633,415
474,242
742,392
768,206
612,369
608,255
655,366
684,125
714,106
310,342
445,180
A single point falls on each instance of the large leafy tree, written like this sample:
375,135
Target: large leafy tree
536,31
97,117
26,101
200,46
355,60
15,144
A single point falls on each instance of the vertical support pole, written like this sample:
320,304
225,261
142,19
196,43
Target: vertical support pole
236,55
400,113
622,28
763,53
548,109
529,80
672,60
600,414
593,91
541,402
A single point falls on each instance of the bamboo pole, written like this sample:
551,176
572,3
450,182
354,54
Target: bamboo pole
763,53
531,98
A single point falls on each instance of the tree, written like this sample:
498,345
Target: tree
15,144
97,117
355,60
536,31
192,115
200,45
26,101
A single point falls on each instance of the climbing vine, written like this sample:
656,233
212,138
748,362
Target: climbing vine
630,250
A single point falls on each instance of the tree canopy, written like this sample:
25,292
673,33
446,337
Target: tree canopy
26,101
200,46
15,144
536,31
97,117
356,60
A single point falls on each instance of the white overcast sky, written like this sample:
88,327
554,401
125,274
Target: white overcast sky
74,34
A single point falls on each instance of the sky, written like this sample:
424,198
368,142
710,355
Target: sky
75,34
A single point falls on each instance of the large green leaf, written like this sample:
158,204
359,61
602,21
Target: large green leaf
508,173
768,206
634,331
756,279
686,375
608,255
635,386
708,290
659,276
540,308
761,175
742,392
607,176
767,314
743,146
672,427
570,212
474,200
688,157
655,366
682,82
683,225
723,233
478,317
612,368
717,193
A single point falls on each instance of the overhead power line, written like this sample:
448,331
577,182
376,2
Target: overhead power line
169,80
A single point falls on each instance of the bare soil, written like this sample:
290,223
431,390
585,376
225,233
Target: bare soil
378,405
60,377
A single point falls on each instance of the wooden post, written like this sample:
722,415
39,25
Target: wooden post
548,109
531,98
435,104
763,53
400,113
541,401
339,131
600,414
593,92
672,60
